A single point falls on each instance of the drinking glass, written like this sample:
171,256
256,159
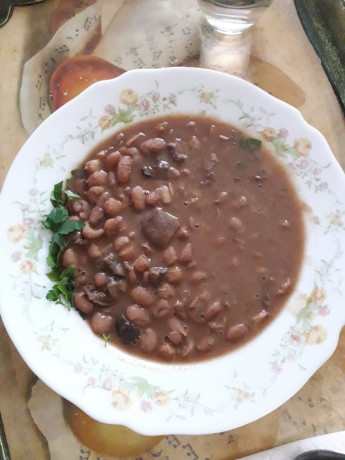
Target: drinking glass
233,16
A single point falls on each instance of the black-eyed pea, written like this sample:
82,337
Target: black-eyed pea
101,323
174,275
97,178
148,340
93,251
82,303
142,296
137,315
124,169
236,332
112,207
112,225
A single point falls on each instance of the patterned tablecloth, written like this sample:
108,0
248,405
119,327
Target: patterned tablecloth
282,62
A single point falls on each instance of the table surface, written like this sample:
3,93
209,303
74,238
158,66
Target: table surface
282,62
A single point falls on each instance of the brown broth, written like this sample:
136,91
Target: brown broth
212,209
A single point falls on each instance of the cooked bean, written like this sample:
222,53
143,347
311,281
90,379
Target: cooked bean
167,351
127,252
141,264
93,165
186,255
121,242
82,302
240,202
111,179
213,310
236,332
259,316
134,138
103,198
124,169
205,343
153,145
161,309
112,207
198,276
90,233
194,143
94,193
111,161
165,291
101,323
112,225
177,330
236,224
169,255
187,347
142,296
148,340
138,198
100,279
69,258
152,198
138,315
174,275
93,251
165,194
96,215
97,178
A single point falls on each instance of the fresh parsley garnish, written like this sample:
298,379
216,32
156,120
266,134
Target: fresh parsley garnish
250,144
58,222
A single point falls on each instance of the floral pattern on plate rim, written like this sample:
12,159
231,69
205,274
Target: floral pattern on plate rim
27,240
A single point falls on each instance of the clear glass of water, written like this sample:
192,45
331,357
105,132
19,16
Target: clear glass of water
233,16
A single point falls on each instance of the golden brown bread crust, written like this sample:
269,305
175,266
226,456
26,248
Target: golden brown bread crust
75,74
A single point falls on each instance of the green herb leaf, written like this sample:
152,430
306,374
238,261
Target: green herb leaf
56,195
250,144
58,222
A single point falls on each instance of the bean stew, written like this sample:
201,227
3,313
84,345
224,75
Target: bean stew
193,238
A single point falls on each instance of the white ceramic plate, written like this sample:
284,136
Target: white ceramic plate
150,398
